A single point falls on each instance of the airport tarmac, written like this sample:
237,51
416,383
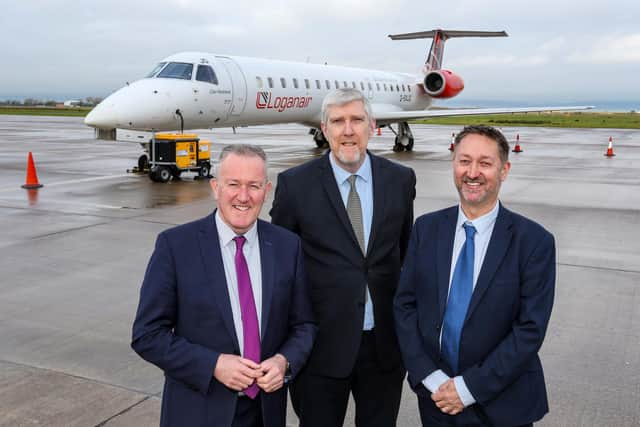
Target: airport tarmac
73,254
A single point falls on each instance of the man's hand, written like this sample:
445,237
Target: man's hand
447,399
274,369
236,372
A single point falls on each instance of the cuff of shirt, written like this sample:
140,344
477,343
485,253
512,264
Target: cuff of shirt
465,395
435,380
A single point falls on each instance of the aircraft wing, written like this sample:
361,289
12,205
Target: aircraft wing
384,117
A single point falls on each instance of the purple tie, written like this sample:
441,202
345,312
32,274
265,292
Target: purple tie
251,331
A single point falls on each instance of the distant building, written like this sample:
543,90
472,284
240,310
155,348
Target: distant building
71,103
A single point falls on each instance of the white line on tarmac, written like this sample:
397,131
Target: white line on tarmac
73,181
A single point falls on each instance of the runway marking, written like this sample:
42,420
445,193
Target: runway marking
74,181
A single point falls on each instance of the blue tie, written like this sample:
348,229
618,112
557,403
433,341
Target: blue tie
459,297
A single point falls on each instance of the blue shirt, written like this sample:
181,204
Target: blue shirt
364,186
484,228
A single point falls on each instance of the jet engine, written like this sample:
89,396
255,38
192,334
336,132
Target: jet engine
442,84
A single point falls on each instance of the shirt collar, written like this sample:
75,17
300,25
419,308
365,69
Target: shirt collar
226,234
482,224
342,175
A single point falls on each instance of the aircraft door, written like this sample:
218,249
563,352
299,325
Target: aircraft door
238,85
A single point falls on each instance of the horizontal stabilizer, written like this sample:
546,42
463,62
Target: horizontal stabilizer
448,34
434,58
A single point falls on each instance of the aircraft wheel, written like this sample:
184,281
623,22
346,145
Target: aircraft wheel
409,146
143,163
163,174
398,147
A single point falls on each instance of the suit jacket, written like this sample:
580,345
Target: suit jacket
184,320
505,323
308,202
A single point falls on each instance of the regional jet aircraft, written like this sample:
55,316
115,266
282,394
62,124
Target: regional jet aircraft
193,90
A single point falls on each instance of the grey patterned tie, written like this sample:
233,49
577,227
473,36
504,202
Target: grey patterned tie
354,210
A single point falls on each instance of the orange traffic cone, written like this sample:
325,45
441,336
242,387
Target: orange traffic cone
32,176
453,138
517,148
379,132
610,149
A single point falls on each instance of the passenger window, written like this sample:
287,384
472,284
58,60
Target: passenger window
385,86
327,84
177,70
306,84
283,82
361,86
337,84
295,83
391,88
205,74
403,87
270,81
370,86
345,84
397,88
318,86
378,86
259,82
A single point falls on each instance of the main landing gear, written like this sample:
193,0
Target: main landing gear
318,138
404,138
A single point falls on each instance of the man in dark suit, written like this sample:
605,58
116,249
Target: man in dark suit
224,307
475,297
354,212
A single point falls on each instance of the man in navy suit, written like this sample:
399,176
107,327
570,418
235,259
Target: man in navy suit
224,307
475,297
353,211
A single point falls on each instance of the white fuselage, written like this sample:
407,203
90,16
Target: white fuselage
247,91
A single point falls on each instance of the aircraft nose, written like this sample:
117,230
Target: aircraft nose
102,117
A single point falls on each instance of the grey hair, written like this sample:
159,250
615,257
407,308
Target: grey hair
245,150
344,96
489,132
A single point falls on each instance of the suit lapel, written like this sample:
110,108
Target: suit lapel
214,268
267,261
445,238
378,184
333,194
497,249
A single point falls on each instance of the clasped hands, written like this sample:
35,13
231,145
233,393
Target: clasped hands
238,373
447,399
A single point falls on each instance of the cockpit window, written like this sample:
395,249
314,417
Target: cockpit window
177,70
206,74
155,70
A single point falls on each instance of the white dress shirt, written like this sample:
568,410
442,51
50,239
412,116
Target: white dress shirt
251,251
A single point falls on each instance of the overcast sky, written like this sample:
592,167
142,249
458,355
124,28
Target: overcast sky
557,50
